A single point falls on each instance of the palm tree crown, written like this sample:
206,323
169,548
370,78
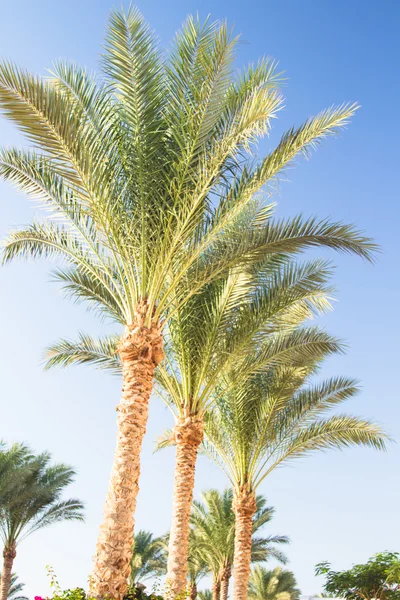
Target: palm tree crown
148,558
35,501
130,177
276,416
277,584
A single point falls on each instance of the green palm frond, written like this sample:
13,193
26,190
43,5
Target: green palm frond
248,321
269,418
16,588
305,138
30,494
68,510
148,178
149,557
165,440
100,352
213,531
277,584
50,240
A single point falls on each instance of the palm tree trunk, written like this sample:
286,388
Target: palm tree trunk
9,554
188,434
244,506
140,350
193,591
216,588
225,578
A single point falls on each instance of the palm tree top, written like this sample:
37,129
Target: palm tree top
270,418
276,584
145,180
31,494
149,557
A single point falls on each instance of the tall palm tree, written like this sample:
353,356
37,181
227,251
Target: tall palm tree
277,584
16,588
32,501
215,330
213,523
148,558
266,420
144,173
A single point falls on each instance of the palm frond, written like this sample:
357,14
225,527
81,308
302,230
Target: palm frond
269,418
165,440
102,353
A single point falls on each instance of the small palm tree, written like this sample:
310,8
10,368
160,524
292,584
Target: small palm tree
148,558
29,501
266,420
16,588
144,172
277,584
213,526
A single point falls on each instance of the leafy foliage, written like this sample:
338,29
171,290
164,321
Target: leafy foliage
133,593
31,494
270,418
378,578
16,588
148,558
213,531
229,320
277,584
145,182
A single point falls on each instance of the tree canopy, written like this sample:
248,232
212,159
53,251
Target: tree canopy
378,578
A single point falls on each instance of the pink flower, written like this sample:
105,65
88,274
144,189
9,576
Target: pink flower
38,598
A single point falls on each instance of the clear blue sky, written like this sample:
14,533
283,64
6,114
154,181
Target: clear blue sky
341,507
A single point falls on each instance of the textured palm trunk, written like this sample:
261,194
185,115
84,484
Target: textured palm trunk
9,554
244,506
216,588
193,591
188,434
225,579
140,350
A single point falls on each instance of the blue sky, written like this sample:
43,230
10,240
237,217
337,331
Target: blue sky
341,507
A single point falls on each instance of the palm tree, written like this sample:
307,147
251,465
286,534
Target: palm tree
277,584
215,330
220,328
16,588
148,558
29,501
144,176
266,420
213,524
